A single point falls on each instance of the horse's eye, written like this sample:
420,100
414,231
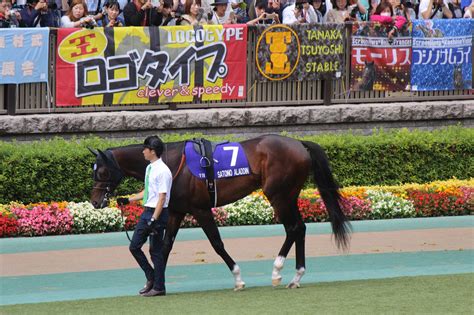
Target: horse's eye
103,174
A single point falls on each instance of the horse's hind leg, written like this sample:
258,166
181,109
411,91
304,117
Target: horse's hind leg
300,235
295,233
209,226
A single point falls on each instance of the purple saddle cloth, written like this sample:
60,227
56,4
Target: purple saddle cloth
229,160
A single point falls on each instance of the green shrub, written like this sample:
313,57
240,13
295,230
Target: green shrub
60,169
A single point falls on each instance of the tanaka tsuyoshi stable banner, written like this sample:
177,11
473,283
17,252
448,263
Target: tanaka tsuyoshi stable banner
377,63
136,65
442,54
300,52
24,55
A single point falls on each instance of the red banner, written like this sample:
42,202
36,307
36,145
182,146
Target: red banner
378,63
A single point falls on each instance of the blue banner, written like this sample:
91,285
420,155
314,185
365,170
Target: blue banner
24,55
442,54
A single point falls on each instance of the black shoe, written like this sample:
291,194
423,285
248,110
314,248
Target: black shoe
148,286
154,292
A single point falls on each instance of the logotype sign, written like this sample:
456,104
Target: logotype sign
136,65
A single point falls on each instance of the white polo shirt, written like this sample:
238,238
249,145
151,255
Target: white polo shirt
159,181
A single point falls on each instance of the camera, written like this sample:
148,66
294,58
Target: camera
89,24
354,11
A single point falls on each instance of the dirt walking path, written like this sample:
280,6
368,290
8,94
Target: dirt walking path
241,249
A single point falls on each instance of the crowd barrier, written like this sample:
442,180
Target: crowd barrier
34,98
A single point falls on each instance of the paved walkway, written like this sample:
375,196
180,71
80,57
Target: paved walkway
89,266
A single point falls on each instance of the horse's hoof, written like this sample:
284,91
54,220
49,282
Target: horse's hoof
276,281
239,286
293,285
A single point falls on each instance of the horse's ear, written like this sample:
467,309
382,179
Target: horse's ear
93,151
103,156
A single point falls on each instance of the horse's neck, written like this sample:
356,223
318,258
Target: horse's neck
172,154
131,161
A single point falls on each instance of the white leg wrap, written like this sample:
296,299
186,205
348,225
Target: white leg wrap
239,284
277,267
295,283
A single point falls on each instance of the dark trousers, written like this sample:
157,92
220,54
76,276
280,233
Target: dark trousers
156,274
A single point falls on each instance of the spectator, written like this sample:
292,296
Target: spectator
434,9
317,4
4,21
373,6
194,14
41,12
469,11
358,10
340,12
384,15
299,12
263,17
220,14
275,6
455,8
141,13
9,17
399,8
78,16
239,9
168,18
110,17
178,7
409,10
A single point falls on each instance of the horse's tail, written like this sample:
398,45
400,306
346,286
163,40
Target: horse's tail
329,191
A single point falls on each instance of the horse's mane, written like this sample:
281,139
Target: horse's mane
133,146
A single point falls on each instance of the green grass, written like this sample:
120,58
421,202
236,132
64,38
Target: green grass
447,294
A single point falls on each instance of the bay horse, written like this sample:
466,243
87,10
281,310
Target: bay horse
279,166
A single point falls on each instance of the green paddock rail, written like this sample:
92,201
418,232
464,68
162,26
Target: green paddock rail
36,98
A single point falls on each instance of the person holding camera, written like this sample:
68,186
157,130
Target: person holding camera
152,223
434,9
142,13
342,12
9,16
41,12
110,15
263,17
402,8
78,16
299,13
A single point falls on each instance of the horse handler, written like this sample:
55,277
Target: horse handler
152,223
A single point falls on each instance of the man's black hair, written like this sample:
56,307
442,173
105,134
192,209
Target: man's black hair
154,143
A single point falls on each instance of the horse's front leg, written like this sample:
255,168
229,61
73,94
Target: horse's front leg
174,223
209,226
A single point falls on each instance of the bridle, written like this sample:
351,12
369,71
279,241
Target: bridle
113,179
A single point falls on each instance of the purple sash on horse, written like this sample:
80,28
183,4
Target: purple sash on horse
229,161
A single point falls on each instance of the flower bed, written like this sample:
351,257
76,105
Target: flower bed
442,198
